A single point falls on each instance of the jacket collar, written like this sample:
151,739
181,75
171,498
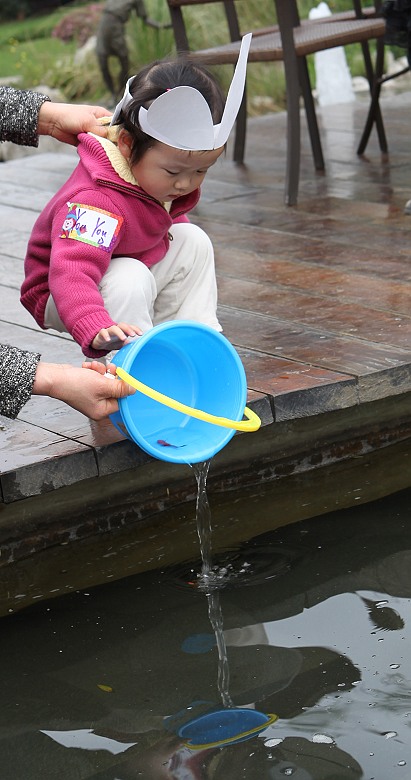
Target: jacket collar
104,161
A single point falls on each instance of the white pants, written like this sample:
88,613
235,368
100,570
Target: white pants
182,286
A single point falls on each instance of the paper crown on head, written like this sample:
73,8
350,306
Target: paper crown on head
181,117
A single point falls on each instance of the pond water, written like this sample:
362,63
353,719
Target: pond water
312,624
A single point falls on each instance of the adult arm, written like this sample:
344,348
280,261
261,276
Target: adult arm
65,121
19,113
17,372
24,115
91,392
23,374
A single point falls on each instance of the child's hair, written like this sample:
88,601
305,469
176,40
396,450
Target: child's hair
155,79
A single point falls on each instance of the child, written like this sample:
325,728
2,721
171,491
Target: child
113,253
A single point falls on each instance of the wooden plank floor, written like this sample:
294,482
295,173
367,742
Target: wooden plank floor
316,298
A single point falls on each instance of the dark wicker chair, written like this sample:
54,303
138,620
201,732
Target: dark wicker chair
398,33
290,42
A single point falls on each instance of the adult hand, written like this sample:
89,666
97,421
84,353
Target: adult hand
89,391
65,121
114,336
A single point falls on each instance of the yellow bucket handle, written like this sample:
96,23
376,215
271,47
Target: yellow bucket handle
252,423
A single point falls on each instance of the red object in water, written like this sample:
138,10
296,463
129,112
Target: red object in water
167,444
163,443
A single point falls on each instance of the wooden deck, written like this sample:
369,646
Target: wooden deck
317,300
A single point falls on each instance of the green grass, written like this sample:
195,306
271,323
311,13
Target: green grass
27,60
33,27
29,51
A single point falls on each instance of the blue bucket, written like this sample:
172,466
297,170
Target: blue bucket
196,366
225,727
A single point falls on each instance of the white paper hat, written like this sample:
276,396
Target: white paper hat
181,117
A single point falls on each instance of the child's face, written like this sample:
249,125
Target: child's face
166,173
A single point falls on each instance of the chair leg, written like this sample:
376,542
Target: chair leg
287,17
311,114
371,118
293,140
240,131
374,77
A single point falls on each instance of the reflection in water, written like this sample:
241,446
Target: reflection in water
98,684
383,618
216,619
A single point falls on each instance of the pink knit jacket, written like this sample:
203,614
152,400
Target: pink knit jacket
95,216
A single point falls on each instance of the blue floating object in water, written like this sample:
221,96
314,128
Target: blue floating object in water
224,727
198,643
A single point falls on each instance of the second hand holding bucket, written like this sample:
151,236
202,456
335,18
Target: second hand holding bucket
191,392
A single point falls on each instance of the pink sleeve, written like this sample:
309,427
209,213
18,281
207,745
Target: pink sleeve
77,265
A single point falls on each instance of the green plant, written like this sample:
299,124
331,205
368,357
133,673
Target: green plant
34,66
31,28
78,25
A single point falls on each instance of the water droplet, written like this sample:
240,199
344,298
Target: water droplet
322,739
288,770
389,734
273,742
402,763
395,666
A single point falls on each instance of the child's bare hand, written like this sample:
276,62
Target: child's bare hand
115,336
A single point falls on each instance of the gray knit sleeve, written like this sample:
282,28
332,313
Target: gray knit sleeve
19,112
17,372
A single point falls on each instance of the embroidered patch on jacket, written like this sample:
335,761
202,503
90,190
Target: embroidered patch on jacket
91,225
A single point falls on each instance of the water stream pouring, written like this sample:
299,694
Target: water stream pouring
191,392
